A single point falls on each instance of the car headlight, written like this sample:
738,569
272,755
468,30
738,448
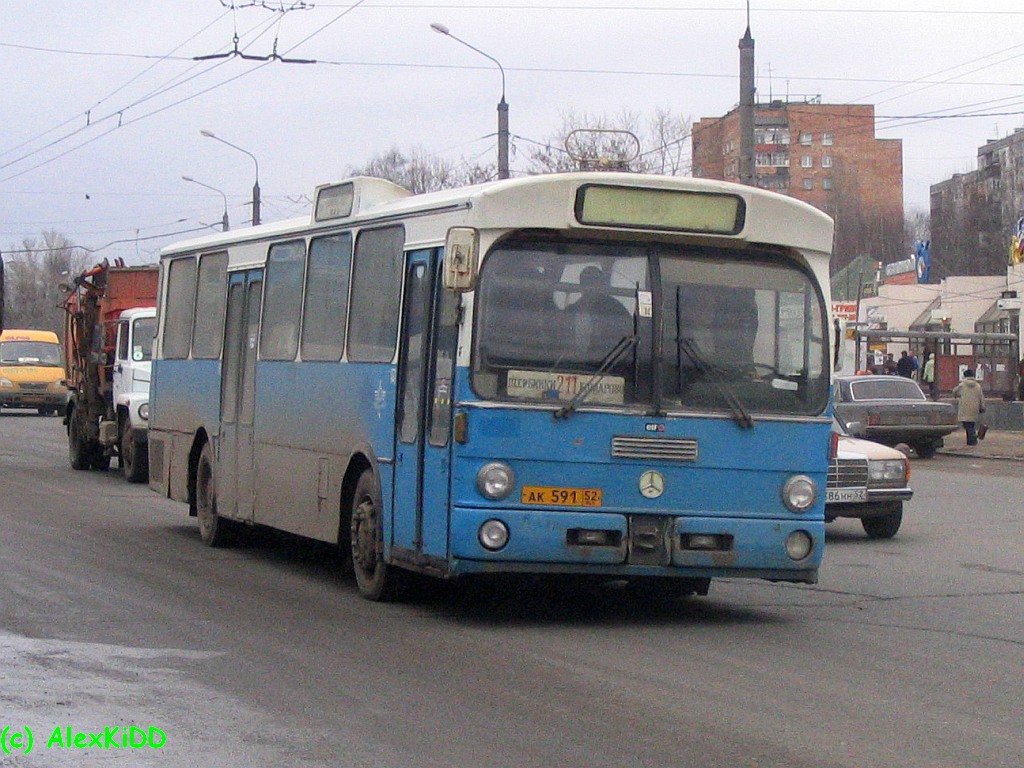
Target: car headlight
495,480
6,384
887,472
799,493
144,411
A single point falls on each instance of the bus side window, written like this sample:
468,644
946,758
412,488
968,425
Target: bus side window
180,306
282,304
376,294
210,299
326,303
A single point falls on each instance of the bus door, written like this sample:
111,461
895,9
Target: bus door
423,419
238,396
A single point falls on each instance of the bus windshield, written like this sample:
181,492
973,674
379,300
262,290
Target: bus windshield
30,353
560,319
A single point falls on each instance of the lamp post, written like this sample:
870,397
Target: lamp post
224,219
256,186
502,105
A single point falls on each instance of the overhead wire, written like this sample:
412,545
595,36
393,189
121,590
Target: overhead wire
349,7
160,91
176,82
87,113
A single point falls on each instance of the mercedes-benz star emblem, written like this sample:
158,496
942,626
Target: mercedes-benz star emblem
652,484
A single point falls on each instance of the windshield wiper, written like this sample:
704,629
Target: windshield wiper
708,372
621,347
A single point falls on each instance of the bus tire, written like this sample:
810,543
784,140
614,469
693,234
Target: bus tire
214,530
884,526
134,456
376,579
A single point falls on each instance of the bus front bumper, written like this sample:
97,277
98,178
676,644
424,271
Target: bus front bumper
546,541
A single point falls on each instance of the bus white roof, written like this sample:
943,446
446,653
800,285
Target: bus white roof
544,201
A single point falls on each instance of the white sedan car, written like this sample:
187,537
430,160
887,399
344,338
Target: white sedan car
868,480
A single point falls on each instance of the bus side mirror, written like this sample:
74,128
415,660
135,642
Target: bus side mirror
461,253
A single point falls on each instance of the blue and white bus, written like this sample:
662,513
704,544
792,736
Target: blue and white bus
613,375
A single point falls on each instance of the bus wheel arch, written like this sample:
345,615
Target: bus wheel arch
198,443
376,578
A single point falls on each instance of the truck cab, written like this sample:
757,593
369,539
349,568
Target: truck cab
130,376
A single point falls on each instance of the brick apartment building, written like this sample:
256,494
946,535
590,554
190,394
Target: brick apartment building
824,154
973,215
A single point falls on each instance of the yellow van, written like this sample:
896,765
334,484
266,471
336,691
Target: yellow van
32,371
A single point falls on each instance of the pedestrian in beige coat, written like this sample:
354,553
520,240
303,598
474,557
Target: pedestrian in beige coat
970,405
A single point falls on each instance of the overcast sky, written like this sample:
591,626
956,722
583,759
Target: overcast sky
103,101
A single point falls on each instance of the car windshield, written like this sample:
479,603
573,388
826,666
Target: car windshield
677,328
30,352
892,388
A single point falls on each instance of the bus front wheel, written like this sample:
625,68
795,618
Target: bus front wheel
375,578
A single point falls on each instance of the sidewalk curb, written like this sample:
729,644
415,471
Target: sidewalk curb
986,456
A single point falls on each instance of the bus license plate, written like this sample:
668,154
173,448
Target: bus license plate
561,497
841,495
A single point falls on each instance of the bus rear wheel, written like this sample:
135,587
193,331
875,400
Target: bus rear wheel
214,530
375,578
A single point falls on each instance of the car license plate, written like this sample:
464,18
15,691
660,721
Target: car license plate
840,495
562,497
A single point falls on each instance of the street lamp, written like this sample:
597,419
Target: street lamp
224,220
502,105
256,186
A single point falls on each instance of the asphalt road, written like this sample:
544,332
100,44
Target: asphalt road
112,614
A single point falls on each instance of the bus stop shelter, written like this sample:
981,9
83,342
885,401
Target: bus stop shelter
993,356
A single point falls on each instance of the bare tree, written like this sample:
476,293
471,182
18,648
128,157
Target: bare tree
669,138
620,142
917,226
421,172
34,274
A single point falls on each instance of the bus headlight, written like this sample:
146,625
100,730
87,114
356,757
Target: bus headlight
493,535
144,411
495,480
799,545
6,384
799,493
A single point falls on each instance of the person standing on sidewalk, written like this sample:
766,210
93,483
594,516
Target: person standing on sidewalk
928,375
971,404
905,366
